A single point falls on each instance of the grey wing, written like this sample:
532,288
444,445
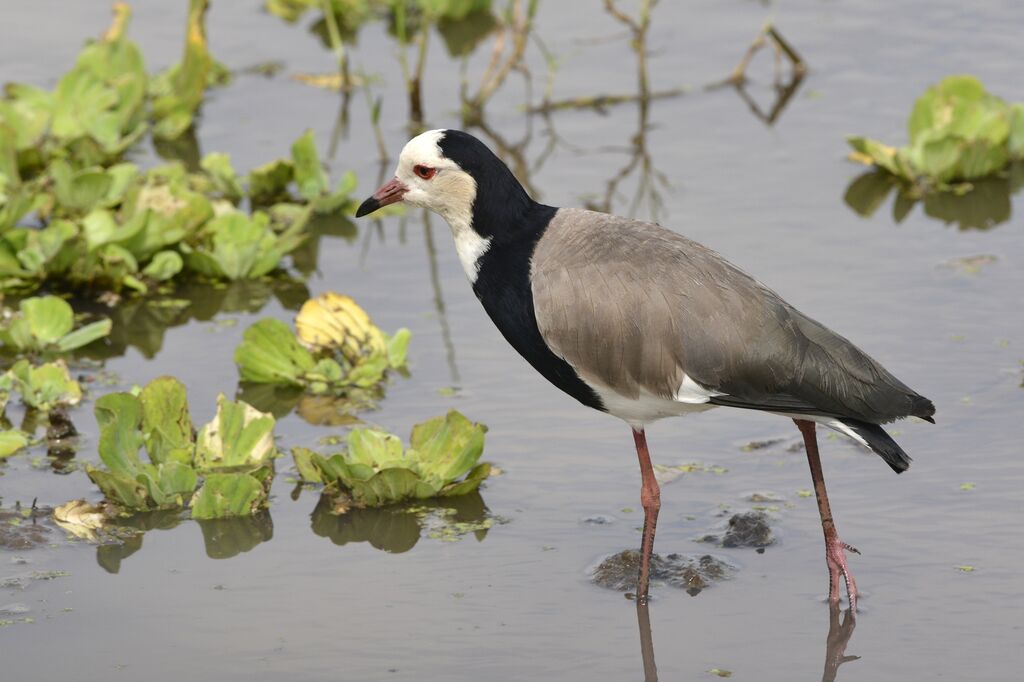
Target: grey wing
674,308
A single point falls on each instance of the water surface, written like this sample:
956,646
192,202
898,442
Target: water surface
293,596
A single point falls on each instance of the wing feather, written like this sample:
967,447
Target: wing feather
675,308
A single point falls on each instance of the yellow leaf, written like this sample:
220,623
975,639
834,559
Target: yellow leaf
336,322
81,519
330,81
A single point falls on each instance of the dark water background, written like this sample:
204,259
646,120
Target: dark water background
518,604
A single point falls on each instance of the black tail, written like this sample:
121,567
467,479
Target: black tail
882,443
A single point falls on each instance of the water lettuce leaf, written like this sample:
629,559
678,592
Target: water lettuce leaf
441,460
167,429
232,494
45,387
333,321
958,133
45,323
231,455
11,441
336,351
270,353
240,436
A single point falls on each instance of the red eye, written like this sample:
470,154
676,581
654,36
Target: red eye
425,172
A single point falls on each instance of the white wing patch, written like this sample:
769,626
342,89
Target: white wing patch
692,393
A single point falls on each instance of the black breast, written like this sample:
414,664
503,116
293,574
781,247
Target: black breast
503,286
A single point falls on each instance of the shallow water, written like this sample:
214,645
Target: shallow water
300,597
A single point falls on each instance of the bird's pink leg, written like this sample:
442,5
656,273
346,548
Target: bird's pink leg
835,549
650,499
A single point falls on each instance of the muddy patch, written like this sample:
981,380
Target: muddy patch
24,528
746,529
691,573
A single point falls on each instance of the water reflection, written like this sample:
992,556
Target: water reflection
222,538
986,205
439,307
839,634
840,630
394,529
141,323
643,621
225,538
398,528
110,556
783,89
318,410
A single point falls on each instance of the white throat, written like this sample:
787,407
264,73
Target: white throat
468,244
450,194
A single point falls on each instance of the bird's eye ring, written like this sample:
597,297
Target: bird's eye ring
425,172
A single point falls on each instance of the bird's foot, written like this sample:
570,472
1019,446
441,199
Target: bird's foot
835,557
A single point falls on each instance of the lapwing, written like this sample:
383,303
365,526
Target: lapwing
635,320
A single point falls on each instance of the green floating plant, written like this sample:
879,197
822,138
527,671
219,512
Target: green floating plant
352,14
336,348
74,214
46,323
148,227
232,455
177,92
43,388
441,461
12,441
958,133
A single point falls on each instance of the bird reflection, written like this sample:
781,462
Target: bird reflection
643,621
839,634
840,630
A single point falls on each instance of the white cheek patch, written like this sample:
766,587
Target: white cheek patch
450,194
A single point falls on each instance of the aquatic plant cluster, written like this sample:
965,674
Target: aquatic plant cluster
376,469
225,469
78,218
958,132
75,215
233,453
336,347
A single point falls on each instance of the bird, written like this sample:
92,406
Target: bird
635,320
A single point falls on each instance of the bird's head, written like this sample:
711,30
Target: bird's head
454,175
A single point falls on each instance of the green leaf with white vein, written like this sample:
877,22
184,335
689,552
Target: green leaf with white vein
240,436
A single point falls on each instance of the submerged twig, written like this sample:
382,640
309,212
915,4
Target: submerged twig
439,307
603,101
784,90
518,25
413,78
375,107
782,47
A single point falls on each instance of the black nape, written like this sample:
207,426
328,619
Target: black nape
501,203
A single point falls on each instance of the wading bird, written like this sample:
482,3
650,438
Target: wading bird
642,323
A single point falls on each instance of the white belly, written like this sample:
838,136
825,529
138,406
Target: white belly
646,407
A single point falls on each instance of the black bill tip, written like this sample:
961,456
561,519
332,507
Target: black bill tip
368,206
